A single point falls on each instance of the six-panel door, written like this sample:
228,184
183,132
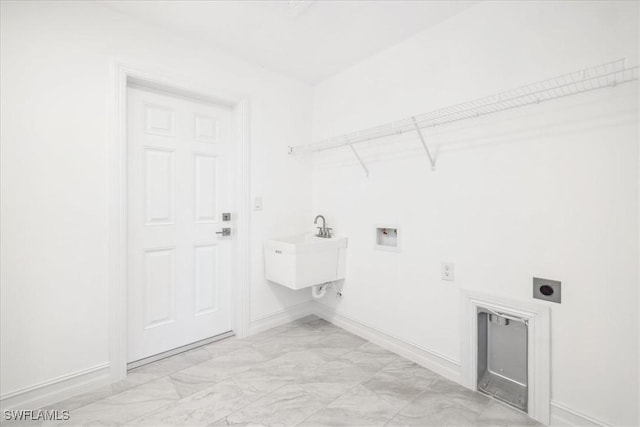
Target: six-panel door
179,182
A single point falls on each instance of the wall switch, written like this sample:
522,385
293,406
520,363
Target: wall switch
446,271
257,204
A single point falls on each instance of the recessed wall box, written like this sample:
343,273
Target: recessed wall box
503,357
547,290
387,238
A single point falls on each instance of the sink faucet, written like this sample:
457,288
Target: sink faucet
323,231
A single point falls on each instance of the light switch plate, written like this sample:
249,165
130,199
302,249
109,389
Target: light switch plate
257,204
446,271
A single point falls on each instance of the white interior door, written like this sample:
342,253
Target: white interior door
179,184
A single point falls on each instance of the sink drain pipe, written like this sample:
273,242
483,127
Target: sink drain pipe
318,291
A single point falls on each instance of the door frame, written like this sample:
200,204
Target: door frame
121,76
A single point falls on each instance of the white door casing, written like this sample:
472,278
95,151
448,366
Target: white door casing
179,181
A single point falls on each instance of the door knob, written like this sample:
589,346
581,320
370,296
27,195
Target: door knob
226,231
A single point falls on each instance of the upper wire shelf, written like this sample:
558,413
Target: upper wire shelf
601,76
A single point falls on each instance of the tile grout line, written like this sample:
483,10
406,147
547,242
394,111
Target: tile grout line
249,403
405,406
276,389
301,345
322,364
225,378
349,389
329,403
273,391
167,376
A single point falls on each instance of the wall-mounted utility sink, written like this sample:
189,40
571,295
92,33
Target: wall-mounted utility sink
305,260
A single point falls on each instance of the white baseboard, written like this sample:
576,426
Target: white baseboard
440,364
66,386
562,415
281,317
57,389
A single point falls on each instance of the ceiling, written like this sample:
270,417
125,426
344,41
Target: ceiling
304,39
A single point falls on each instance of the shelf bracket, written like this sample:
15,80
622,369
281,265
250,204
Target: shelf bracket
355,153
424,144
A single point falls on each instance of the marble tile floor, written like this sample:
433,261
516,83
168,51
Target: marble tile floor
305,373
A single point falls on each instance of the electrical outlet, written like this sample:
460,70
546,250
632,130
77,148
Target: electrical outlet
446,271
257,204
547,290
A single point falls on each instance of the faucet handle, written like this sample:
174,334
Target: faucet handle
328,232
319,232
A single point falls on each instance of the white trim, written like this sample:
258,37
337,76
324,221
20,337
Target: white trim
539,346
438,363
562,415
117,224
56,389
120,76
66,386
242,304
174,351
289,314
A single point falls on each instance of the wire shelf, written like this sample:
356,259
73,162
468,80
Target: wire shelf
598,77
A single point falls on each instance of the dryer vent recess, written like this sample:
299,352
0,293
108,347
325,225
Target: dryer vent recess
547,290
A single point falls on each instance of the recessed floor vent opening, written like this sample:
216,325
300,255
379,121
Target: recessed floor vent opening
506,351
502,357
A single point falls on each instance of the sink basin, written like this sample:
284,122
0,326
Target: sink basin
305,260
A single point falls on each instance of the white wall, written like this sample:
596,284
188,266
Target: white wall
55,94
548,191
